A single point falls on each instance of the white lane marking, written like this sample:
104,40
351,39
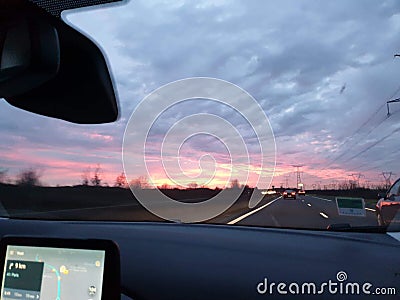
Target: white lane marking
321,198
302,200
309,204
395,235
370,209
323,215
252,212
70,210
276,223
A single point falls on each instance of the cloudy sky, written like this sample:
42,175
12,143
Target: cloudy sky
321,71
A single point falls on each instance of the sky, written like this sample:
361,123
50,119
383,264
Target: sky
321,72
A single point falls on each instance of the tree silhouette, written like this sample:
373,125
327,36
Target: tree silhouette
96,179
29,177
192,185
3,175
235,184
164,186
139,183
120,181
86,176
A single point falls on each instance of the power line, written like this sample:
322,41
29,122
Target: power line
344,153
373,145
370,168
374,113
379,165
373,167
372,116
348,139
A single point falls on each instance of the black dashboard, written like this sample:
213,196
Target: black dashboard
180,261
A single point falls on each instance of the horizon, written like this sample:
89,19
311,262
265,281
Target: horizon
322,84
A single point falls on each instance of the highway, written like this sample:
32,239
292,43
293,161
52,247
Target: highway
304,212
312,212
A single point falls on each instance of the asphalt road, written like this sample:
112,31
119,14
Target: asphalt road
310,212
304,212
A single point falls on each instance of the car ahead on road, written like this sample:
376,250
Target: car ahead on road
269,192
387,208
301,192
289,194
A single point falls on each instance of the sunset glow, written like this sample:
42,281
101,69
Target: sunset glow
322,87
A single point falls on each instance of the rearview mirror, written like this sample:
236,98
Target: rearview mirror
51,69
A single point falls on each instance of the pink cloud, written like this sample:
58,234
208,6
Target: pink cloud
102,137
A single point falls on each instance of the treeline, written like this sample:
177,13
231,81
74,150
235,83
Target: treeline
27,177
356,192
94,176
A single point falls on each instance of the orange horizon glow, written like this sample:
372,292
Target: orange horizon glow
63,172
59,169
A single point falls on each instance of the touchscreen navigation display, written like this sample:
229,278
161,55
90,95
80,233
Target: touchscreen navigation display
33,272
45,272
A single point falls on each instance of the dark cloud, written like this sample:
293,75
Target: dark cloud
292,56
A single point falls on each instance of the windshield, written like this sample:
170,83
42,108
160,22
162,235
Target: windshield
224,107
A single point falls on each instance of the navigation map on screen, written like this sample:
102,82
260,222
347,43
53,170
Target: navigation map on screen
52,273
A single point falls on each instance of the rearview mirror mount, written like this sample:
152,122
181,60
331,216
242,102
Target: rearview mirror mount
30,53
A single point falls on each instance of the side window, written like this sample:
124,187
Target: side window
394,191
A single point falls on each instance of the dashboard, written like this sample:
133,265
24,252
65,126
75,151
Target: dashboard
182,261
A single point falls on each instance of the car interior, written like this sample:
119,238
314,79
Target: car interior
51,69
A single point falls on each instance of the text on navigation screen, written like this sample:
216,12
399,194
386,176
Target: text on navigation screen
52,273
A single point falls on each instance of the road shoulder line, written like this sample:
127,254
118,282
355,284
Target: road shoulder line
234,221
321,198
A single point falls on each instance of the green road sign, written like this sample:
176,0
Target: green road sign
350,206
